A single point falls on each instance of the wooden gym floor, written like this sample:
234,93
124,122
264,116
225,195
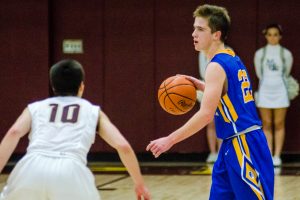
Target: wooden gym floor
182,181
177,180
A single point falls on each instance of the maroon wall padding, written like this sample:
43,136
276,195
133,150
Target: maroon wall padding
242,35
285,13
130,47
81,20
175,54
24,58
129,69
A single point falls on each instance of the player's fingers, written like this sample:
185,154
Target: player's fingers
155,149
149,146
146,195
157,153
153,146
190,78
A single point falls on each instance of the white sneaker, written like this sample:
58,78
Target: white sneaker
277,170
212,157
277,161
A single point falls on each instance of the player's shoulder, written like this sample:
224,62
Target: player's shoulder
82,100
36,105
62,100
287,51
226,53
260,50
87,102
38,102
223,57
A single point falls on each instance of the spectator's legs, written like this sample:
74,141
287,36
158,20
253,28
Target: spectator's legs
279,123
266,116
211,137
213,143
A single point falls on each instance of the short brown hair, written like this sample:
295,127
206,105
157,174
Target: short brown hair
218,18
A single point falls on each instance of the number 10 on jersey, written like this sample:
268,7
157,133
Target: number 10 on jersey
69,113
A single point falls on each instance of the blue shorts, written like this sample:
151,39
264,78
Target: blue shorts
244,169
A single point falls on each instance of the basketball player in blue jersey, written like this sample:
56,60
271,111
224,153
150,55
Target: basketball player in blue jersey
244,169
61,131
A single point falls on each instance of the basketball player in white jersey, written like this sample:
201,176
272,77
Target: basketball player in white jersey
61,132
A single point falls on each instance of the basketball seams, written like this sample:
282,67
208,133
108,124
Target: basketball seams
185,84
183,111
181,84
182,96
167,83
172,103
169,94
164,83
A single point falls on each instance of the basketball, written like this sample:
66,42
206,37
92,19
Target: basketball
177,95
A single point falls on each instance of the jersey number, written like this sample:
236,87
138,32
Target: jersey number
69,113
245,86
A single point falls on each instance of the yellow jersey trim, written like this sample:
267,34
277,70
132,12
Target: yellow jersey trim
241,149
220,107
230,107
226,51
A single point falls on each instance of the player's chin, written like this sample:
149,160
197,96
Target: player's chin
197,48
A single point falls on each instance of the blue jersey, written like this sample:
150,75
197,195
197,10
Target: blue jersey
244,168
236,113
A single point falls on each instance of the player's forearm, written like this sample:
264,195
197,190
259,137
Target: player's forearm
257,65
130,161
196,123
7,147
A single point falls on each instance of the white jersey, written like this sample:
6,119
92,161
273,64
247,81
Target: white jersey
54,167
63,125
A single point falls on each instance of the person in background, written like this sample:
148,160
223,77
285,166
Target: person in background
272,64
213,142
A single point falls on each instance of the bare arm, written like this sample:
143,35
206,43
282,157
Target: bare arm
288,62
257,63
115,139
12,137
215,78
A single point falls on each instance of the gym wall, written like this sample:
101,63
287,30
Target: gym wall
129,48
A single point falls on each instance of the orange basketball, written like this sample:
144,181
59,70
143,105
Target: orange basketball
177,95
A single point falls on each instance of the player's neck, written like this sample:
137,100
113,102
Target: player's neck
214,48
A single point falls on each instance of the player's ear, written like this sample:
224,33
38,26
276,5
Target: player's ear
53,89
81,89
217,35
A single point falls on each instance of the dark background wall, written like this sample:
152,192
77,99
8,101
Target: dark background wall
130,47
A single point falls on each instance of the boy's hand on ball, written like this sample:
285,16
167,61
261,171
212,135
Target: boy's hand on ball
200,85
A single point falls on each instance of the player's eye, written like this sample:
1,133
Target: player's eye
198,28
275,34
